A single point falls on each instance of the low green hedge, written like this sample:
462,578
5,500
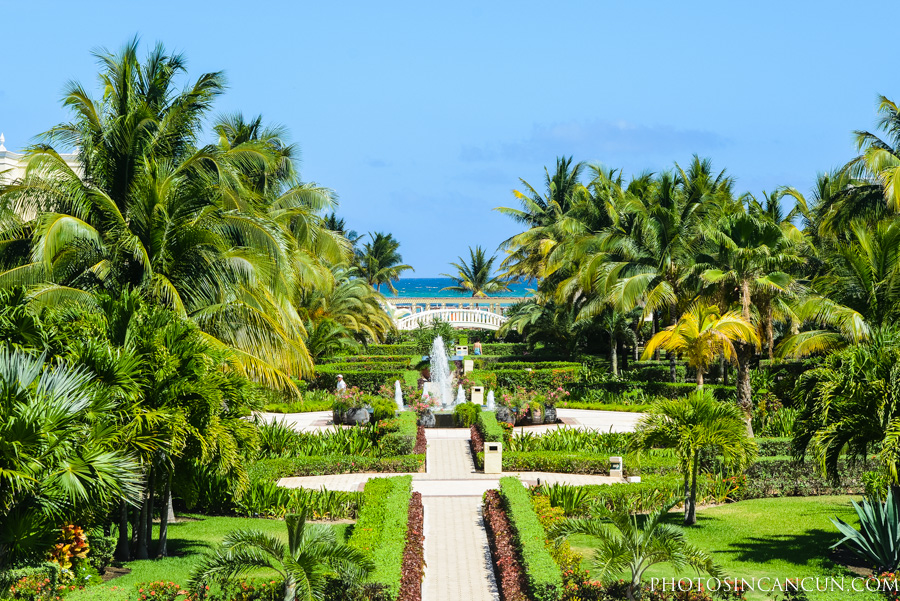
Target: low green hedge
392,349
367,380
503,348
646,495
488,364
656,371
400,359
772,447
541,571
486,423
282,467
562,462
603,406
381,527
400,438
536,379
47,569
665,389
783,477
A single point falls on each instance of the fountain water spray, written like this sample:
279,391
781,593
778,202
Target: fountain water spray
460,396
398,395
440,374
490,400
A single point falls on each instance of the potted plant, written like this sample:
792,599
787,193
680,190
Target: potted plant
536,411
351,407
505,412
422,407
553,397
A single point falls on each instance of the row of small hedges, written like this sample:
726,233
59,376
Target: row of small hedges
502,349
656,371
282,467
784,477
346,368
541,571
392,349
401,359
490,364
536,379
562,462
487,425
367,380
669,390
381,528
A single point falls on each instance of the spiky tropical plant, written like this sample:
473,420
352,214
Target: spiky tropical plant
701,335
878,539
311,556
690,425
632,543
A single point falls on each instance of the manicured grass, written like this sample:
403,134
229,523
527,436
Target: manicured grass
299,407
188,540
779,538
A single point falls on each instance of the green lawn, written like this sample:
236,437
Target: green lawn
187,541
779,538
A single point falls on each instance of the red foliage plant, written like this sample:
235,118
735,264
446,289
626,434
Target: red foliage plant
507,565
477,440
414,554
421,442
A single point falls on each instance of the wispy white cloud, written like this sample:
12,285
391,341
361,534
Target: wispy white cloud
597,140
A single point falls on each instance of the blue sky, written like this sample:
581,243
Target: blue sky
422,116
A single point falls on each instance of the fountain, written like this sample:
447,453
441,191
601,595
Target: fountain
490,401
398,395
460,396
440,374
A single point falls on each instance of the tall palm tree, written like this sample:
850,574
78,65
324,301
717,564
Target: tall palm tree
475,275
701,335
379,263
310,557
628,542
691,425
880,159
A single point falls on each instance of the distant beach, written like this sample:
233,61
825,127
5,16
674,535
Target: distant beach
431,287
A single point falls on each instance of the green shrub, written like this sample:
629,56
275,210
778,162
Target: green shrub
783,477
663,389
39,571
383,409
656,371
399,435
381,528
486,422
265,498
281,467
536,379
581,463
466,414
367,380
772,447
396,359
103,549
504,348
391,349
541,571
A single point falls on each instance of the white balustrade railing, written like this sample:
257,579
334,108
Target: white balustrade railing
462,318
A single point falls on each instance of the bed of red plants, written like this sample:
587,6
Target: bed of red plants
476,439
507,567
414,553
421,443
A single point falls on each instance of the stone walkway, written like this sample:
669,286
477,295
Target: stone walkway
457,557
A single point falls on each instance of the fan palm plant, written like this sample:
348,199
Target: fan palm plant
475,275
310,557
701,335
633,543
690,425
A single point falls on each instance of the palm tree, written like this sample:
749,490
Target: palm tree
628,542
701,335
58,453
880,159
305,563
475,275
379,262
693,424
618,327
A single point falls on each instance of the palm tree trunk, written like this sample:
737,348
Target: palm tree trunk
621,350
653,330
690,510
723,367
151,491
699,377
613,358
162,548
141,551
290,589
770,331
744,354
123,546
672,372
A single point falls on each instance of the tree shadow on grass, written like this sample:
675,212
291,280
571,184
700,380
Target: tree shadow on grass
798,549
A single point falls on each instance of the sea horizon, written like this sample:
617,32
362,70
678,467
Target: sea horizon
433,287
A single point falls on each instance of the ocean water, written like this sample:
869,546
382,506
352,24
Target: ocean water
431,287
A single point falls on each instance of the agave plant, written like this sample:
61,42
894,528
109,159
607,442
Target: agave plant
878,539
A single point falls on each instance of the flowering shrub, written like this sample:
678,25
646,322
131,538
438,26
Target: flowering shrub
725,489
247,590
32,588
558,395
159,590
423,405
888,585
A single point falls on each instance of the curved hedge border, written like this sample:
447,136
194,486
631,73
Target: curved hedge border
542,572
381,528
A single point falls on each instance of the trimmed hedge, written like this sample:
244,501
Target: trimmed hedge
381,529
400,438
772,447
503,348
510,574
488,426
404,359
367,380
656,371
392,349
414,553
784,477
487,364
47,569
562,462
666,389
282,467
541,571
603,406
536,379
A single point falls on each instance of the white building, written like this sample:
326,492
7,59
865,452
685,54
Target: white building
12,164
